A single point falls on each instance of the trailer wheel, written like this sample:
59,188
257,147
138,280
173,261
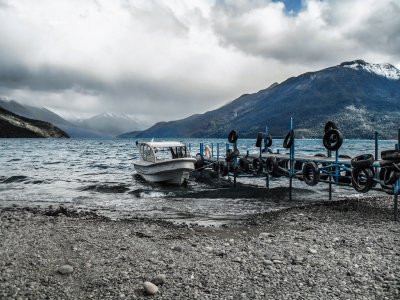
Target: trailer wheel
271,166
311,173
244,164
333,139
258,165
289,139
362,179
391,175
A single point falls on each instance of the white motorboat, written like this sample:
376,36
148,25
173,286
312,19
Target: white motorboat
167,162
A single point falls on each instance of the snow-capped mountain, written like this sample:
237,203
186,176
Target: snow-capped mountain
111,124
386,70
361,97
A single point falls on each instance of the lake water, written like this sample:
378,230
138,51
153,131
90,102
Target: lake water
98,174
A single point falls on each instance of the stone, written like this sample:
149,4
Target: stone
237,259
389,277
159,279
177,249
150,288
65,269
312,251
268,262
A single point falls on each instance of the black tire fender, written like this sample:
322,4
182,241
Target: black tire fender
268,141
233,154
260,136
362,161
391,155
311,173
233,136
333,139
330,125
289,139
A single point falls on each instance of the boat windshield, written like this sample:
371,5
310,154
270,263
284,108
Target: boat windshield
147,153
171,152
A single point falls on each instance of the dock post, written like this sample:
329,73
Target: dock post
376,154
266,152
234,166
291,162
212,151
395,204
217,151
336,166
330,177
201,149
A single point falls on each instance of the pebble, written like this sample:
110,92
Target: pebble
177,249
65,269
268,262
312,251
150,288
389,277
237,259
159,279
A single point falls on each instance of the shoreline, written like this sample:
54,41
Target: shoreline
341,250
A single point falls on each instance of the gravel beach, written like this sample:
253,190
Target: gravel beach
346,250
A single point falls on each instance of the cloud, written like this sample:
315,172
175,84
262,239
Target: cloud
162,60
324,31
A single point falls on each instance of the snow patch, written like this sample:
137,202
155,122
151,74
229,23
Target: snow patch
385,70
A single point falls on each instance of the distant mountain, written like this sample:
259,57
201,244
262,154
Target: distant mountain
15,126
111,124
129,135
41,113
361,97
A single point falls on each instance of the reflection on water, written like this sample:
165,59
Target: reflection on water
98,174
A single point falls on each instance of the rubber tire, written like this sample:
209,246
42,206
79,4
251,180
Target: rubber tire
233,136
235,153
223,169
330,125
289,139
362,161
268,141
386,188
391,175
271,166
391,155
313,168
333,135
244,165
260,136
199,161
258,165
355,173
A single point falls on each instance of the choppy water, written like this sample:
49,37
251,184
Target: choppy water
98,174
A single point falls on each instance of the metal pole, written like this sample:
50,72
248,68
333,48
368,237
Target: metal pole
396,197
336,166
376,154
201,149
330,177
266,152
234,166
217,151
212,151
291,162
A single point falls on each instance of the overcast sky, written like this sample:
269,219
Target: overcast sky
168,59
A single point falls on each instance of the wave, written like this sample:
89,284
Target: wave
11,179
106,188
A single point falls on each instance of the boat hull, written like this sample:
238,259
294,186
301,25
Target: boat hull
173,171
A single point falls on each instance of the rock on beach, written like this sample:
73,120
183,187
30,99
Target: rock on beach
150,288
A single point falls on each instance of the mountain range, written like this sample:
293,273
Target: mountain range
15,126
361,97
103,125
